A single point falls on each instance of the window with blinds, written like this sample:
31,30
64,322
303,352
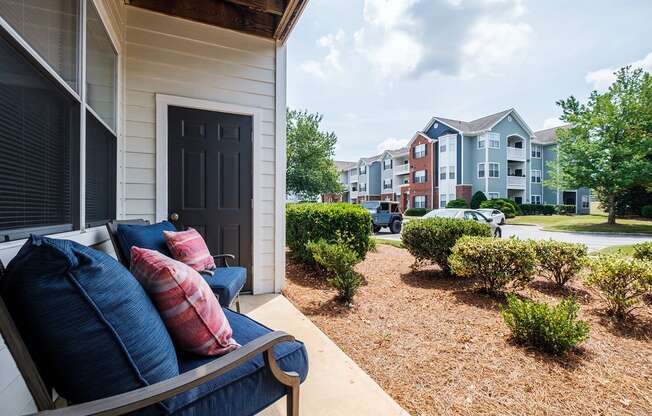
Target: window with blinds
39,125
100,173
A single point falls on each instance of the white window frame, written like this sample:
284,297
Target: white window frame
385,183
494,195
586,200
442,173
418,154
535,174
536,151
489,170
442,146
442,201
417,175
421,202
484,170
362,170
493,138
385,164
535,197
451,172
83,235
481,142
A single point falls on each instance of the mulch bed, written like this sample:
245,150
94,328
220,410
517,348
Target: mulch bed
439,346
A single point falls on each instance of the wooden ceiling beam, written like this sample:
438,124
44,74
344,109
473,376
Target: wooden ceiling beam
276,7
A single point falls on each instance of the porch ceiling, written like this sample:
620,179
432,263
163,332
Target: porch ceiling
272,19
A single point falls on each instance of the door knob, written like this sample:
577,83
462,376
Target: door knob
174,217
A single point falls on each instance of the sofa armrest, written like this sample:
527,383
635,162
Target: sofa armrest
137,399
224,257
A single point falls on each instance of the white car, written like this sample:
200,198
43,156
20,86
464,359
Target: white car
466,214
496,214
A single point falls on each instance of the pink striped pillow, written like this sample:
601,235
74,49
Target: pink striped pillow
190,248
186,303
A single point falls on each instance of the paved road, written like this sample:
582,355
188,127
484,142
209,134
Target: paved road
592,241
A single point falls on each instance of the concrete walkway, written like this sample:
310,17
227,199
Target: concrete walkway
335,384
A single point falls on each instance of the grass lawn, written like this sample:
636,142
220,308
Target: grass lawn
626,250
440,347
393,243
587,223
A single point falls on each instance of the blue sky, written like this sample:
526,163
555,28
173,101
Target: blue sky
379,69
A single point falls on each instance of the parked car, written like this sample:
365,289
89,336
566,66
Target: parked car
385,214
467,214
496,214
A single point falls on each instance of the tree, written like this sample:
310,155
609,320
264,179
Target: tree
477,199
310,167
608,144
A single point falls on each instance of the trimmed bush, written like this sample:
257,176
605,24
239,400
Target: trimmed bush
338,260
495,262
315,221
643,251
646,211
478,198
559,262
565,209
621,282
547,209
432,239
507,206
416,212
457,203
553,329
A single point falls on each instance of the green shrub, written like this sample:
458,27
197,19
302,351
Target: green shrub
457,203
565,209
553,329
314,221
416,212
547,209
643,251
432,239
478,198
338,260
559,262
621,282
646,211
529,209
494,261
508,207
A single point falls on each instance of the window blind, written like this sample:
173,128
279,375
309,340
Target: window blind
100,173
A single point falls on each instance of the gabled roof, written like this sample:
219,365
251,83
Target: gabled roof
395,152
479,125
370,159
418,134
548,136
342,165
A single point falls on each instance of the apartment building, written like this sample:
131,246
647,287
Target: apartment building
452,159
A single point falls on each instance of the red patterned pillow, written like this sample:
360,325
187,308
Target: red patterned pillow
190,248
186,303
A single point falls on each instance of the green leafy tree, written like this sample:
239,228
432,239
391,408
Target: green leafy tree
310,168
609,141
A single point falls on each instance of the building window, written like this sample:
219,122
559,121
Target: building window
442,173
387,164
420,176
585,202
442,146
536,151
535,199
101,154
387,184
494,195
481,170
363,187
535,176
481,142
494,140
420,201
442,201
451,172
494,170
420,151
362,170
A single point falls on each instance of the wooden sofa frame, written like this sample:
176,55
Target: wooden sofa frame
145,396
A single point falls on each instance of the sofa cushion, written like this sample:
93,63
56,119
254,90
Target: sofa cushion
226,282
246,389
186,303
143,236
190,248
89,326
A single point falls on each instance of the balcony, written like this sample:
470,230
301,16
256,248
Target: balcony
516,182
353,178
401,169
514,153
353,194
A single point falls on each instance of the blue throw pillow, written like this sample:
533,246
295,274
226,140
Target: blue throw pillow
144,236
88,324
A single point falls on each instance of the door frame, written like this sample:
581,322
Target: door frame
164,101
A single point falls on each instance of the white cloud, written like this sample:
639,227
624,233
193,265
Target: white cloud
391,143
602,78
552,122
331,63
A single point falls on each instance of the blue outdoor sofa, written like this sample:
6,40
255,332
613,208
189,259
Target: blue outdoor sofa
77,321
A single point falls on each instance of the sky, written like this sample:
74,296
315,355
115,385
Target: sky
378,70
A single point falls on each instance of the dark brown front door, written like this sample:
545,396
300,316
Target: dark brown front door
210,179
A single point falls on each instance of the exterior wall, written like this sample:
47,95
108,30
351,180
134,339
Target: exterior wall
464,192
374,178
426,163
550,195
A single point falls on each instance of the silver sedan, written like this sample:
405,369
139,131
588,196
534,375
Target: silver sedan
466,214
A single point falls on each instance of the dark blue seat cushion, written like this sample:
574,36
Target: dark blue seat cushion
143,236
226,282
246,389
88,324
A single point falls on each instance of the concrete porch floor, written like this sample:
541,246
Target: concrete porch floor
335,384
